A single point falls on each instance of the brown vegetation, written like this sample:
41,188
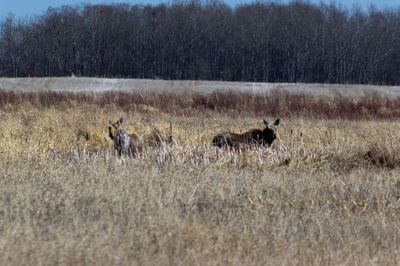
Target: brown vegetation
159,139
277,103
326,191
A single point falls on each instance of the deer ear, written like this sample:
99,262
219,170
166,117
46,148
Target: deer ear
277,122
265,122
109,122
120,121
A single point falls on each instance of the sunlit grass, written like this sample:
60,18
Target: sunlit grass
326,192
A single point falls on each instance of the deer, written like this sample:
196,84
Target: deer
251,137
124,143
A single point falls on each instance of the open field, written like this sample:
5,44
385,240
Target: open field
75,84
326,192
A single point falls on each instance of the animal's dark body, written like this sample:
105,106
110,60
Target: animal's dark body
251,137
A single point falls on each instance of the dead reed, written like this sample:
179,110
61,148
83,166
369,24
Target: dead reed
326,192
275,104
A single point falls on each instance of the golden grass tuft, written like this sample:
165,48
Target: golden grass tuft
158,134
93,140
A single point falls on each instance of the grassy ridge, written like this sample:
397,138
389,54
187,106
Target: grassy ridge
277,103
326,192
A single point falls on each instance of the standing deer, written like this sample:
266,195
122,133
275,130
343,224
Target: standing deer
124,143
251,137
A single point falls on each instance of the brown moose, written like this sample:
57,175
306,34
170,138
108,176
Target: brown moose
251,137
124,143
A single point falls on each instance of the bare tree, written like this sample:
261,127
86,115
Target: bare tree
261,41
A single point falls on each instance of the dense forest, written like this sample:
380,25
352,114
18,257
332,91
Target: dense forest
260,42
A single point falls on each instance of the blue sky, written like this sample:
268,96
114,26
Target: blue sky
23,8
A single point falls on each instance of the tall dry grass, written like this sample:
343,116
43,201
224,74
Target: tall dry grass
326,192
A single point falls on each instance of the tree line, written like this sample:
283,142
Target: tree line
259,42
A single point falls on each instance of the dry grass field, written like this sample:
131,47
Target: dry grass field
326,192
